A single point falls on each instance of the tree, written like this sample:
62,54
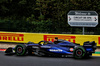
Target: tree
35,12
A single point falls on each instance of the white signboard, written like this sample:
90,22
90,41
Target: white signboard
83,18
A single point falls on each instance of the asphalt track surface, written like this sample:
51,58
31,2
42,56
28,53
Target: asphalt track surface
13,60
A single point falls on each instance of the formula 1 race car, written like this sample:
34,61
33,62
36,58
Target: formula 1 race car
48,48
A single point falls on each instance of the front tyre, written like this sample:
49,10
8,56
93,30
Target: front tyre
79,53
20,50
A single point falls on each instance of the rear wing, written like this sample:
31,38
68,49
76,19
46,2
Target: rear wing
90,44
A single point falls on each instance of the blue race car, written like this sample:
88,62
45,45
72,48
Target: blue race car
48,48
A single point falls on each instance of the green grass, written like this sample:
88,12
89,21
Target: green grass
96,53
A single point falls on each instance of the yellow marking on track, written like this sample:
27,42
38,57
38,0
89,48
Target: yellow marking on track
95,54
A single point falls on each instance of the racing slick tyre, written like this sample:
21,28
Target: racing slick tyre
79,53
20,50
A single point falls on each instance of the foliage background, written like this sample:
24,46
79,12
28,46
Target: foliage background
44,16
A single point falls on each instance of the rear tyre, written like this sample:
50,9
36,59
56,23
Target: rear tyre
79,53
20,50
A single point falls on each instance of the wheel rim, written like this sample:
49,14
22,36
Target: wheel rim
79,52
19,50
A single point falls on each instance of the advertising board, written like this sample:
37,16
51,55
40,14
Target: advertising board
36,37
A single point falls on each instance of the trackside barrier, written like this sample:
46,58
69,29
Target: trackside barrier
36,37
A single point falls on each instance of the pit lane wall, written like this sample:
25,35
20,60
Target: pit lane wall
36,37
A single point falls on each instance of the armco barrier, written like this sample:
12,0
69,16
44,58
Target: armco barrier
36,37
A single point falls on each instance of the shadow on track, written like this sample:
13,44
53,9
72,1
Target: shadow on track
48,56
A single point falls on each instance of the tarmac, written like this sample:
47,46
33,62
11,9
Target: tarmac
13,60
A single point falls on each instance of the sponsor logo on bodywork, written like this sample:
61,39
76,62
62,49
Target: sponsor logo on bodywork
71,49
55,50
